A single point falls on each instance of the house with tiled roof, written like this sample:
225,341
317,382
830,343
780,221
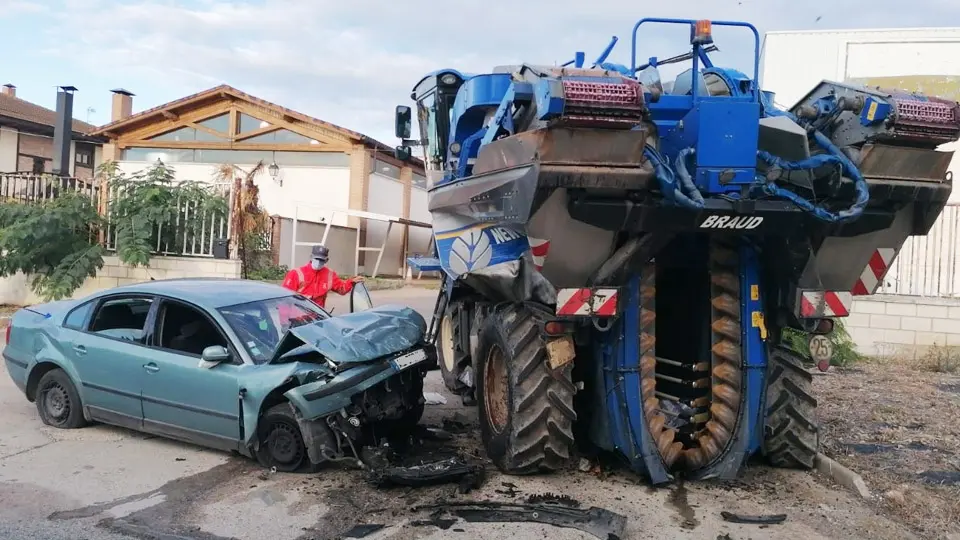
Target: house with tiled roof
316,173
27,138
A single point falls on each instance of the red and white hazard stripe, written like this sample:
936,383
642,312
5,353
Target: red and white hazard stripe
579,302
872,276
815,304
538,249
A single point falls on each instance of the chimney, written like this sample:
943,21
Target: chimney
63,131
9,90
122,104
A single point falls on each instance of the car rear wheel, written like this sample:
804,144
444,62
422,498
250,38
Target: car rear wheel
281,442
58,401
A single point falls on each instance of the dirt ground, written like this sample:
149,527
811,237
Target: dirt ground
895,423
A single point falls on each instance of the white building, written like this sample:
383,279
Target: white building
320,167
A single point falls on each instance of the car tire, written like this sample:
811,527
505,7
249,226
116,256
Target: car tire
281,444
58,401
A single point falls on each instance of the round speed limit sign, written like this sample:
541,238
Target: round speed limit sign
821,351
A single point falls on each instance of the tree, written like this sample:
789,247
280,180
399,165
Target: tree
251,223
57,240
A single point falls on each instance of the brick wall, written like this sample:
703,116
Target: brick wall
904,326
16,290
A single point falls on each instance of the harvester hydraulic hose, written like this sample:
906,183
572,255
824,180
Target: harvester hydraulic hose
836,156
668,182
686,181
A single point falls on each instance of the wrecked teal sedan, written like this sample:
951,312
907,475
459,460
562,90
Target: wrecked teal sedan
235,365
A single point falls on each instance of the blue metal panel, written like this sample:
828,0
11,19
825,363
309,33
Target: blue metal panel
549,98
474,99
755,351
874,111
725,132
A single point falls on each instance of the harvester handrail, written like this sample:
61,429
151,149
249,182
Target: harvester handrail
756,39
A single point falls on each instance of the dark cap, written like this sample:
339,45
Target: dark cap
320,252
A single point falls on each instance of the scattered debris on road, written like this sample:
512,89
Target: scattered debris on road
599,522
364,530
433,398
769,519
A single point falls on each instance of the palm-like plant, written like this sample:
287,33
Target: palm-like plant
250,223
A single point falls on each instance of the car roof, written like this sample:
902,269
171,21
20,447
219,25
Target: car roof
210,293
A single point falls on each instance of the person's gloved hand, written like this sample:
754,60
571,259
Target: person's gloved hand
356,279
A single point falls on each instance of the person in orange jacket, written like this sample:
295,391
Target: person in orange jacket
314,280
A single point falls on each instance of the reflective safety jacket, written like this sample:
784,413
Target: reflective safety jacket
315,284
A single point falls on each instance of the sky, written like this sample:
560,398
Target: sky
350,62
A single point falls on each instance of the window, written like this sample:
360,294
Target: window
249,123
38,165
278,136
260,325
182,134
419,181
234,157
76,318
84,158
185,330
311,159
167,155
218,123
122,318
385,169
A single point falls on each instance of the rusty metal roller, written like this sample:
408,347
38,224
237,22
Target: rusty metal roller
710,446
727,393
672,451
724,414
726,280
720,433
724,256
647,317
729,373
657,421
727,327
648,363
695,457
650,405
647,386
727,350
727,304
647,341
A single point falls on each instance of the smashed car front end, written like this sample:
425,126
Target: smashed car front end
368,381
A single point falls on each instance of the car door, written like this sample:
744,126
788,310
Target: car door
181,399
108,348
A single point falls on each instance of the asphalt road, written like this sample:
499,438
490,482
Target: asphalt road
104,483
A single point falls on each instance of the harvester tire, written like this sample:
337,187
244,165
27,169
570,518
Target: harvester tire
525,407
791,434
450,353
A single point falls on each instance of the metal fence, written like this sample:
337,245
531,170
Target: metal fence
193,233
929,265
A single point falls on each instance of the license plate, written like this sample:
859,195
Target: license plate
409,359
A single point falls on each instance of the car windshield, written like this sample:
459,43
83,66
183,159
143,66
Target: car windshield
261,324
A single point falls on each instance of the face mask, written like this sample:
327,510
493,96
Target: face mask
316,264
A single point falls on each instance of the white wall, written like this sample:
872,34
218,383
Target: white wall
385,197
310,188
419,237
8,149
15,290
903,326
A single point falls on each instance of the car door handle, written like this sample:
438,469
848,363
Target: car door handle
151,367
80,349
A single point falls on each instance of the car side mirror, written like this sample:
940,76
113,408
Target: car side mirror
360,298
213,356
403,122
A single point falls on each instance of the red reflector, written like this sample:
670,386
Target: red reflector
825,326
7,339
553,328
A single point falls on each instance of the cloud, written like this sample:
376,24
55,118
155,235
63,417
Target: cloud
350,62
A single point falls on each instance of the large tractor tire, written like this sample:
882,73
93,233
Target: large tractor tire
791,434
450,353
526,408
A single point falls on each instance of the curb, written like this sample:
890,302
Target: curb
843,476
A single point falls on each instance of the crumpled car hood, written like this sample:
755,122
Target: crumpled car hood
359,337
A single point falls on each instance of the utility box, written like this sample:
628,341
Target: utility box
221,248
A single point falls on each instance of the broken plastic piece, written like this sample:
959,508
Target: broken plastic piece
436,472
363,530
599,522
771,519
